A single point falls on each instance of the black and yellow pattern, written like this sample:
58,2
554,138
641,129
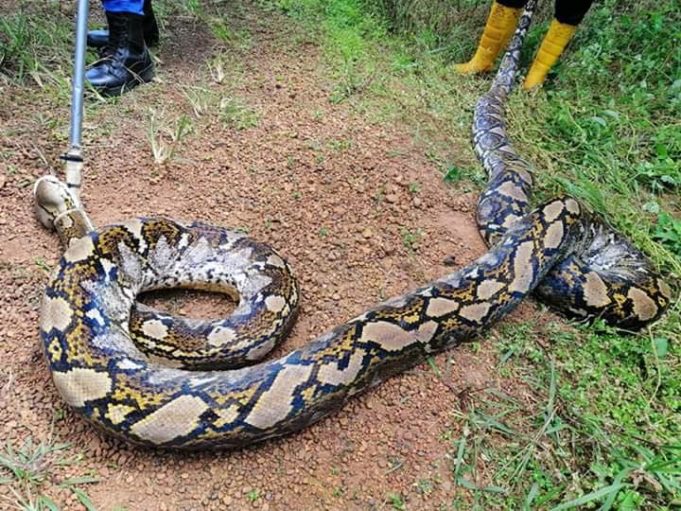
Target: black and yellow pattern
149,378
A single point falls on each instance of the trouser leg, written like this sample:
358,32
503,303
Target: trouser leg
124,6
513,4
572,12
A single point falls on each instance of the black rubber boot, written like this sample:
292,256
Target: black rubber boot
100,38
127,62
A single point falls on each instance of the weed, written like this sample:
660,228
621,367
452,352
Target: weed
31,467
411,237
340,144
31,463
36,47
668,232
223,32
253,495
397,501
424,486
165,136
236,114
192,8
216,67
202,100
42,264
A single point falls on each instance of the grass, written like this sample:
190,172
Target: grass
397,501
235,113
31,468
410,237
165,136
253,495
597,426
34,47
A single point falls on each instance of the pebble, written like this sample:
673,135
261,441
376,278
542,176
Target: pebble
449,260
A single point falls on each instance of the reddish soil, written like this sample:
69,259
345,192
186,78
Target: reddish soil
331,191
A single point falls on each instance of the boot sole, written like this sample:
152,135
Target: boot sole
144,76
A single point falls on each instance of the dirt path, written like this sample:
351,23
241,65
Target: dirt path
358,210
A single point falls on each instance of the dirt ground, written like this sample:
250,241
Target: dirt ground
355,206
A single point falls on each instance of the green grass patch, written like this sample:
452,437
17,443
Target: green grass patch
31,468
35,47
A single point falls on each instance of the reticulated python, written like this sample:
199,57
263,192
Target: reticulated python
151,378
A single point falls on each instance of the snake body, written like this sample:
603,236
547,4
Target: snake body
108,357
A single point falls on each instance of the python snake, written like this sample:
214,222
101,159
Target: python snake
152,379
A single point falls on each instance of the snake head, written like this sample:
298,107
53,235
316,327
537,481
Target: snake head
52,199
59,209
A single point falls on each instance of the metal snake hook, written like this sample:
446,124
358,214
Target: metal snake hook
48,191
73,157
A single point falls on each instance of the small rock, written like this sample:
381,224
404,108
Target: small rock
450,260
391,198
367,233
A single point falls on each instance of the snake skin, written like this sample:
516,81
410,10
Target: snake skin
121,384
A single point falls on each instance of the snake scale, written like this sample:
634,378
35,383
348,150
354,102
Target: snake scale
157,380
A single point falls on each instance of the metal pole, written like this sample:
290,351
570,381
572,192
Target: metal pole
74,158
79,75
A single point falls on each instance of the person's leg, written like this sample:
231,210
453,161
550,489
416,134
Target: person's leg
572,12
568,14
127,6
127,62
100,38
501,24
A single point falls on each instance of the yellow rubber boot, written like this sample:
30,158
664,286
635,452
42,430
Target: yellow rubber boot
500,26
555,41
